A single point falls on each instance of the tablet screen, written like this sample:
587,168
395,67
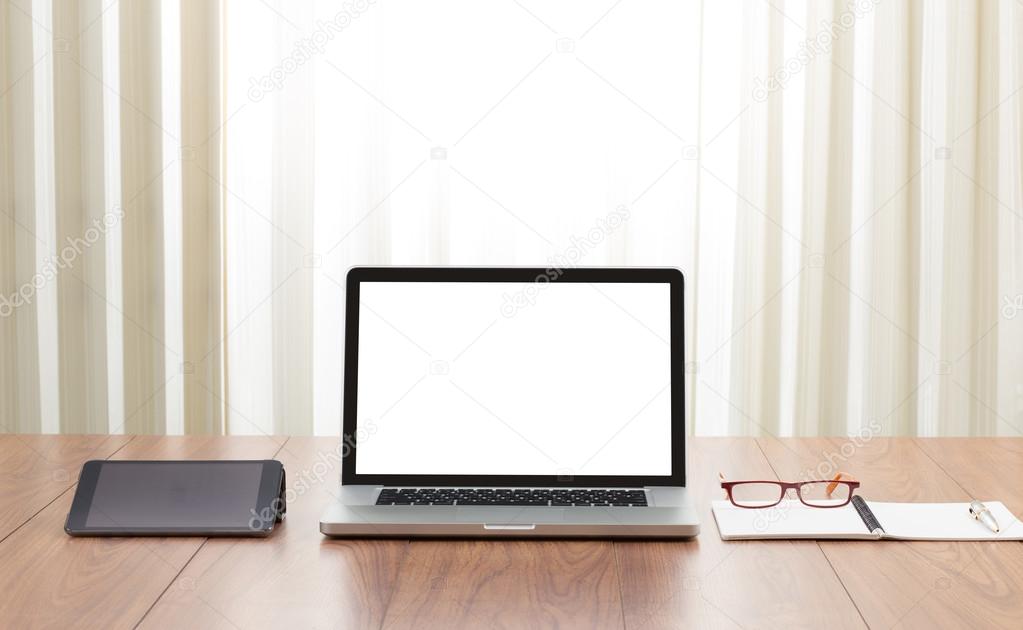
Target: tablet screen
174,495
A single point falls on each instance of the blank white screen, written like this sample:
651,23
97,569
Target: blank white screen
454,380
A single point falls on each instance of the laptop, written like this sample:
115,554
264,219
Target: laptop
513,402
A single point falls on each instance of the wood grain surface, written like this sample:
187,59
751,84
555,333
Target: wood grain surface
910,584
36,469
985,468
51,580
506,584
708,582
296,578
299,579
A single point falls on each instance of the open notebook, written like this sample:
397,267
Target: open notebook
873,520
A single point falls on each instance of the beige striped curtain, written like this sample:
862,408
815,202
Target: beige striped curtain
110,233
184,183
878,244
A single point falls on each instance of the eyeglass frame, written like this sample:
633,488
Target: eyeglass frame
793,485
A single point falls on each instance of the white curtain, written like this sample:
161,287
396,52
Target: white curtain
842,183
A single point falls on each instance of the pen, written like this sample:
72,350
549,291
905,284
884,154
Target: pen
980,512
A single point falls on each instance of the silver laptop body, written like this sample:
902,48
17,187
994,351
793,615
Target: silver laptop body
513,402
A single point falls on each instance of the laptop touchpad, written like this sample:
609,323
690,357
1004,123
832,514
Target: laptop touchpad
509,515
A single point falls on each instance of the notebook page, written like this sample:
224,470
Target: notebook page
788,519
943,521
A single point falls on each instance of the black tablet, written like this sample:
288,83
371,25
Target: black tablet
177,498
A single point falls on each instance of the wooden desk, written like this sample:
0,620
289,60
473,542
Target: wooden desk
299,579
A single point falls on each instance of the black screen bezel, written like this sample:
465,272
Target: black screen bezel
271,479
673,277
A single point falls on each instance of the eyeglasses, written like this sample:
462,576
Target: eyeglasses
820,493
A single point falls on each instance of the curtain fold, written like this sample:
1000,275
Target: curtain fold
1008,124
22,378
80,216
888,289
293,259
142,237
964,216
760,236
824,301
202,225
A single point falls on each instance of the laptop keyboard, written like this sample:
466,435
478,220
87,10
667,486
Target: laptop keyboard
513,496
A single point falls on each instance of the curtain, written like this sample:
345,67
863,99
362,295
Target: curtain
110,234
841,182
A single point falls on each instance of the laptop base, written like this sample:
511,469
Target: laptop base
669,516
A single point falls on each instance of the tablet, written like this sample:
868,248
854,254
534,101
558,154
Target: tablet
177,498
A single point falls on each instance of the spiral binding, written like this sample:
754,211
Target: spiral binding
873,525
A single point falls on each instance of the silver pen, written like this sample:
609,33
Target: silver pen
980,512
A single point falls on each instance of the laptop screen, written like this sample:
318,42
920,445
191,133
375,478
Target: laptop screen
562,379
